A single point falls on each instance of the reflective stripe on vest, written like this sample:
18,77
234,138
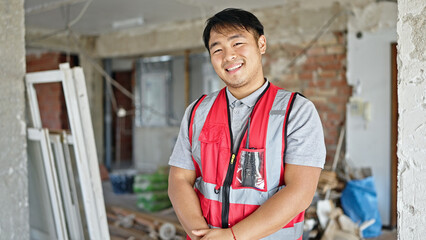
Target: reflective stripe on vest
224,202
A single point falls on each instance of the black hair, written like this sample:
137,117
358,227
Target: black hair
234,18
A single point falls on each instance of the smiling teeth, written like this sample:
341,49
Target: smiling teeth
233,68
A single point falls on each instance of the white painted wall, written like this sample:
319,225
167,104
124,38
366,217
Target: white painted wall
369,142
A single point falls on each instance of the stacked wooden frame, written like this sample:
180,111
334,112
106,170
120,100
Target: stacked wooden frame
59,150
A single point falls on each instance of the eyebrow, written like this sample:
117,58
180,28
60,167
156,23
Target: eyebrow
229,39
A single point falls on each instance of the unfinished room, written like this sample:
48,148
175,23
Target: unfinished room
180,119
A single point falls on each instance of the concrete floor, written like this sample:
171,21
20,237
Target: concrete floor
386,235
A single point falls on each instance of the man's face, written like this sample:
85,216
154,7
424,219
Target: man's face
236,57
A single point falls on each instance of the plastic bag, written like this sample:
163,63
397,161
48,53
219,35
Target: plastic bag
359,202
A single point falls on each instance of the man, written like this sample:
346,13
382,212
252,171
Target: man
248,158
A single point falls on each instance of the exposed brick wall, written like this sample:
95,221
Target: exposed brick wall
50,95
320,75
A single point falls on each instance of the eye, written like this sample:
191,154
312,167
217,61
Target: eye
217,50
237,43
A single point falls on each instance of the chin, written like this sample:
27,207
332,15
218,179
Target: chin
235,84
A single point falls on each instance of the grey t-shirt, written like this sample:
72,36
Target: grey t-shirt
305,138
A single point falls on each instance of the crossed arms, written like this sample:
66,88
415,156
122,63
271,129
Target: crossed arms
301,183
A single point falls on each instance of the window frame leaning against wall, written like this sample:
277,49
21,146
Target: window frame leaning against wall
76,99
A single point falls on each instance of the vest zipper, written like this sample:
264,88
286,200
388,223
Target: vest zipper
230,173
225,195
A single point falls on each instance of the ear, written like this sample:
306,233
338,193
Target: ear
261,42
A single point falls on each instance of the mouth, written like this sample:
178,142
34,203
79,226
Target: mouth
234,68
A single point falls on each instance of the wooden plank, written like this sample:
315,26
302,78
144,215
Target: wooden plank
127,233
149,217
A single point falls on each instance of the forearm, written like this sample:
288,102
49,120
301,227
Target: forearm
186,204
280,209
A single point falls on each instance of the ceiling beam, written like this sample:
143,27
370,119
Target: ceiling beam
50,6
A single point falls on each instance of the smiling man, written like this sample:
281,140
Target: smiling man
248,157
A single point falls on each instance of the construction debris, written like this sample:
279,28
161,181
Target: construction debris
331,218
328,219
129,224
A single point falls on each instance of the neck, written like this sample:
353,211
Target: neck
242,92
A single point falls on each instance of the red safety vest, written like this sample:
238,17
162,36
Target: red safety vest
224,200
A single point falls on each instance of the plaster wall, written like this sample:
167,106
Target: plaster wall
286,23
153,147
14,221
411,29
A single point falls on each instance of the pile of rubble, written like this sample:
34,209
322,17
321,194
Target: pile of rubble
325,219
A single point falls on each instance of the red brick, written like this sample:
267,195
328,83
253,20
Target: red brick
311,67
318,83
326,58
309,92
339,99
311,60
314,51
341,56
347,91
338,83
334,117
307,75
333,66
327,74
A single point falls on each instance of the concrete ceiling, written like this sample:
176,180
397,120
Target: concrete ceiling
101,15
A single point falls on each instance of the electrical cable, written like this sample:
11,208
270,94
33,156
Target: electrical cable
68,26
80,15
112,97
101,70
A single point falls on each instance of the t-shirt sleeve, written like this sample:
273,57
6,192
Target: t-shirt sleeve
305,136
181,156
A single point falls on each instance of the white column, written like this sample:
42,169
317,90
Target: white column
14,220
411,29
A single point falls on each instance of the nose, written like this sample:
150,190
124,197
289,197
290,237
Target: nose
230,55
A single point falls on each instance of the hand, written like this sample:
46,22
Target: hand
215,233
